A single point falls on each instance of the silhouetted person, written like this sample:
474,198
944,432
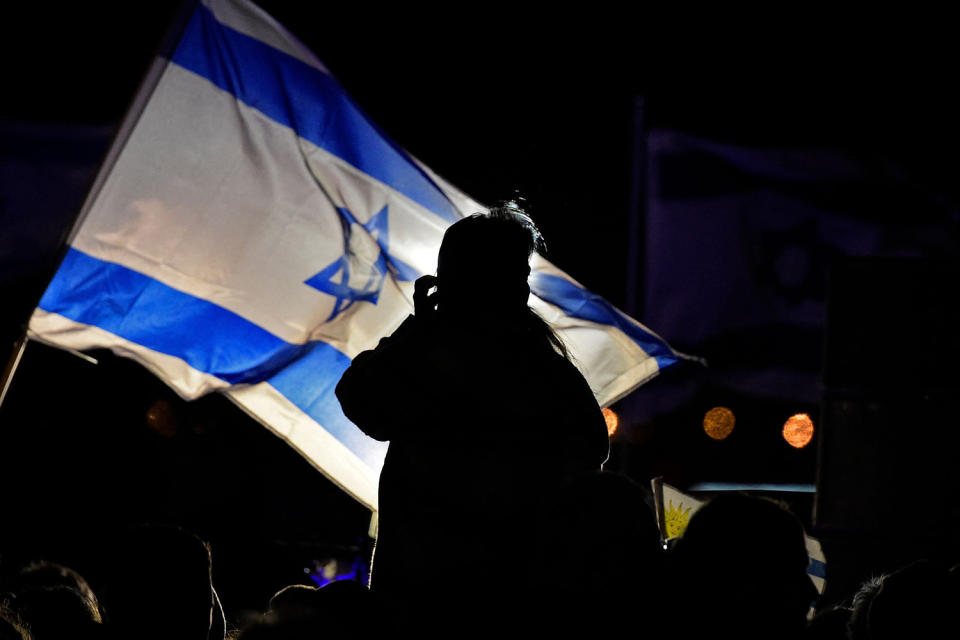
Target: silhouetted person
740,570
160,586
485,415
295,600
341,609
599,559
55,602
58,613
45,574
916,601
859,609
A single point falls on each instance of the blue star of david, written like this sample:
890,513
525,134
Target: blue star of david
334,279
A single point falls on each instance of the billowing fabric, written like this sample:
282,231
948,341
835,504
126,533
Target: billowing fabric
252,231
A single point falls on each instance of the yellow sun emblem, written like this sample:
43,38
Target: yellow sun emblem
676,519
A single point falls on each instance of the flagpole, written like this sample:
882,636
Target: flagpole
18,348
139,102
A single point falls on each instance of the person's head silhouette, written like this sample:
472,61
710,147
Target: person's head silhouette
743,560
483,265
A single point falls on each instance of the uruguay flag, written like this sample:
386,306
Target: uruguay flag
252,231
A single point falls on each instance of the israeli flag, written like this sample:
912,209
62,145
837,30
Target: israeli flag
252,231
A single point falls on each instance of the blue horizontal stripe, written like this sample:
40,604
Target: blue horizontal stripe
206,336
140,309
577,302
305,99
817,568
309,382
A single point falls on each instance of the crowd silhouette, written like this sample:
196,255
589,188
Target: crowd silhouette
598,567
526,534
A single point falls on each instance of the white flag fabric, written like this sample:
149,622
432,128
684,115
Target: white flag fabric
256,231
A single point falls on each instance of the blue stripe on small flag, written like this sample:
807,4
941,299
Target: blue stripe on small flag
817,568
309,101
577,302
145,311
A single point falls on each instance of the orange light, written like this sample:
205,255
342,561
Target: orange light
718,422
613,421
162,418
798,430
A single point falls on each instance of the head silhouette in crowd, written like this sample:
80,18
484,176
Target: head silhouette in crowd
742,564
56,613
343,608
857,622
605,517
293,601
43,574
346,598
916,601
598,550
54,601
160,586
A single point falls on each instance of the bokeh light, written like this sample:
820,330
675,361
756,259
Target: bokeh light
718,422
798,430
162,418
613,421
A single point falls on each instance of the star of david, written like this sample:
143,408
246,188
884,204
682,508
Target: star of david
357,275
